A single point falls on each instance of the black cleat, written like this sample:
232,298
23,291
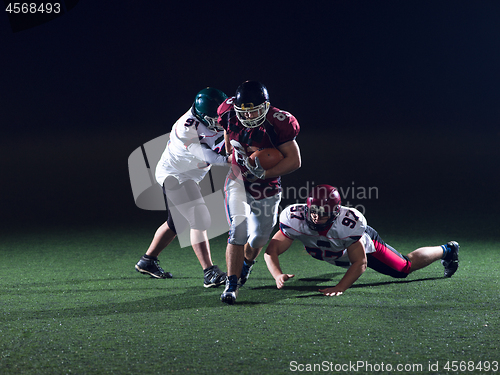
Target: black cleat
152,267
231,292
245,272
450,263
214,277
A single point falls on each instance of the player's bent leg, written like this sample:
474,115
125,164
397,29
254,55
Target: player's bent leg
386,266
175,195
238,235
234,260
212,275
149,263
248,262
237,211
424,256
164,235
187,199
251,253
448,254
387,260
263,218
201,247
201,219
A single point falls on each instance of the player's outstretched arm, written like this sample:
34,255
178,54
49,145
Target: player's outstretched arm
357,257
277,246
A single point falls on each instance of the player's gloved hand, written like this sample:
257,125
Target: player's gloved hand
257,170
250,177
239,152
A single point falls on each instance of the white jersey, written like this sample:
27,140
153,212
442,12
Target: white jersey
190,151
331,244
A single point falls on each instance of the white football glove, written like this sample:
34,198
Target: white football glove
257,170
239,152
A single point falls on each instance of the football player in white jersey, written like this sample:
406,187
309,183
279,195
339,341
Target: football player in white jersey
196,142
340,235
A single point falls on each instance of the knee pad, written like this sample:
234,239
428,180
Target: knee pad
200,218
258,241
259,235
171,183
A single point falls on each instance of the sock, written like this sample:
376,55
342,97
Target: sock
446,251
150,257
233,279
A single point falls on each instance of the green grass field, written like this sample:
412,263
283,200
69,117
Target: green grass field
72,303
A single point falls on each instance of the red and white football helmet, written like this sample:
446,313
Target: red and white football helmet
323,200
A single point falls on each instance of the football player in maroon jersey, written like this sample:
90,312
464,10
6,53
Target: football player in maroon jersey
252,193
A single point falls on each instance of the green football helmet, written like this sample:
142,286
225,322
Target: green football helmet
205,107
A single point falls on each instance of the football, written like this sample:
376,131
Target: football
268,157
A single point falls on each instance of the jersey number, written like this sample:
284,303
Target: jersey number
321,254
297,212
191,122
281,115
348,222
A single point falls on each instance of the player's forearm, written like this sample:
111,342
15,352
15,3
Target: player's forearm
273,264
291,161
285,166
214,158
352,274
206,154
227,142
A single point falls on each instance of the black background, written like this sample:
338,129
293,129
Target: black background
398,95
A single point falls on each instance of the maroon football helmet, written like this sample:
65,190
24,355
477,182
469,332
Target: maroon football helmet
323,200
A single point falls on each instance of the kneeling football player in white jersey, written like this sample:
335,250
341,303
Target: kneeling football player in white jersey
340,235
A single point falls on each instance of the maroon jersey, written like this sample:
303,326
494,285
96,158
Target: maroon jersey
278,128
